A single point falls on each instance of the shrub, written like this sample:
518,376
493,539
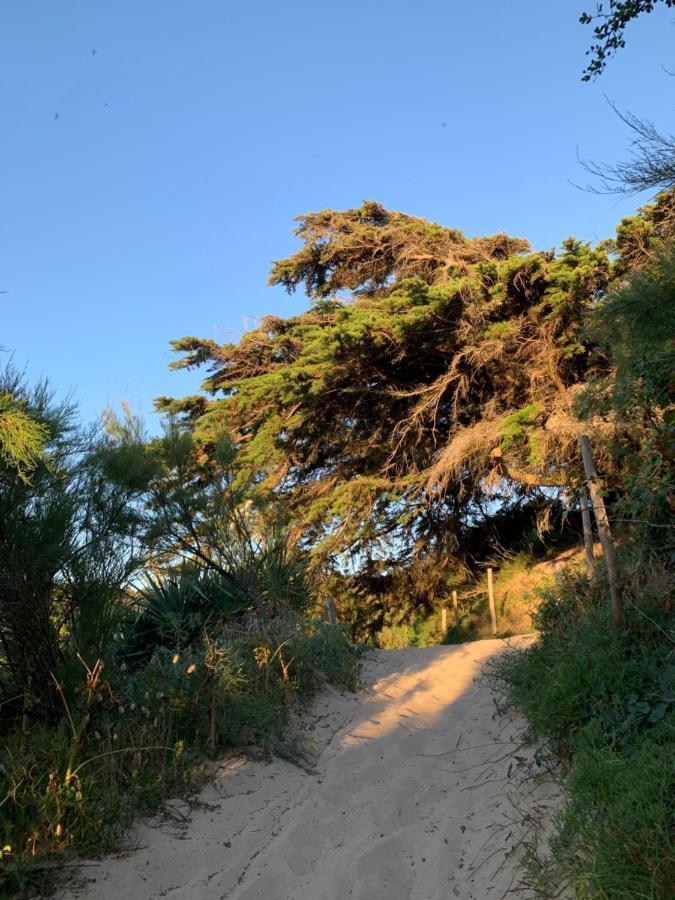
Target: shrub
395,637
604,702
133,738
151,614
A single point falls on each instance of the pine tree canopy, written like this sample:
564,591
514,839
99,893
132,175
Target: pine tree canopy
431,380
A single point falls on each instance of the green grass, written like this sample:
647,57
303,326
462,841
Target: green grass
604,703
140,735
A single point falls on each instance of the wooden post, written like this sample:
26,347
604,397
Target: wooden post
491,601
588,530
330,609
456,608
444,619
604,531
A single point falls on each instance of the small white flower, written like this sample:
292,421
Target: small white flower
121,710
132,706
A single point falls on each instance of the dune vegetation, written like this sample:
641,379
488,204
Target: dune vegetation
164,597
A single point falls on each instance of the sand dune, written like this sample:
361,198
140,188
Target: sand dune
413,797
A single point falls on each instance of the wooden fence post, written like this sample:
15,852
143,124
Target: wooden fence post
588,530
491,601
456,608
444,619
330,609
604,531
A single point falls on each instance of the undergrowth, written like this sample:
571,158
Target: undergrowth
603,702
517,584
135,736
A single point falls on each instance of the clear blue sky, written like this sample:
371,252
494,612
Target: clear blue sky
146,187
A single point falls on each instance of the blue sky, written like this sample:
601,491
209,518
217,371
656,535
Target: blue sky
155,152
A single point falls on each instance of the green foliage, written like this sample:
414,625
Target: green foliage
634,324
141,734
22,437
395,623
386,599
378,417
609,33
173,612
393,421
323,649
617,827
153,610
395,637
68,546
499,330
515,425
605,702
199,504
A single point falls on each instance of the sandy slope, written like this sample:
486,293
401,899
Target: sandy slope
410,799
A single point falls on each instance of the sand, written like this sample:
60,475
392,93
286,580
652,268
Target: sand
417,794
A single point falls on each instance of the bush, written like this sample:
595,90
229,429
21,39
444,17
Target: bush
395,637
615,836
151,613
68,547
141,734
604,702
320,651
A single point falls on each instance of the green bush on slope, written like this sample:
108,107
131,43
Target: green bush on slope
604,702
142,734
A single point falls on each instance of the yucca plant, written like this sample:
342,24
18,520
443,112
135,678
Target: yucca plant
172,612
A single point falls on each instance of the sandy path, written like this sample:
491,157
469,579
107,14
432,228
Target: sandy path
410,800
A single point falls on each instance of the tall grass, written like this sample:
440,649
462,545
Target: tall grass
136,734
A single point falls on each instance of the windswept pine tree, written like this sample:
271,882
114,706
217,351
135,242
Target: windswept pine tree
432,379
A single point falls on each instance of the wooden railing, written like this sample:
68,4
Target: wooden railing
455,604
